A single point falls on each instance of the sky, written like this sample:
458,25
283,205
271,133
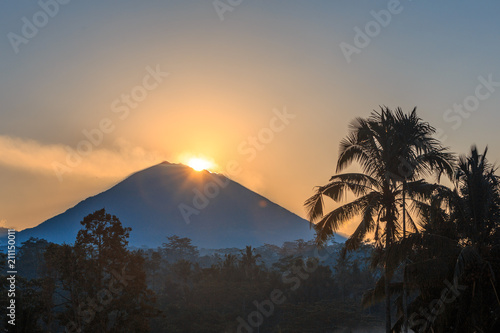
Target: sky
92,91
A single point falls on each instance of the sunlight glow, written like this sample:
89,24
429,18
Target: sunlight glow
199,164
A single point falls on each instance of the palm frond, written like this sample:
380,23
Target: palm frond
467,258
332,221
314,206
366,225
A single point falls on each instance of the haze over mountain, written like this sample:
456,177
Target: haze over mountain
173,199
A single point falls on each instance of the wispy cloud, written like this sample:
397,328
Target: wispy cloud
115,162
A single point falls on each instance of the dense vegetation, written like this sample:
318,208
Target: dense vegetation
438,247
98,285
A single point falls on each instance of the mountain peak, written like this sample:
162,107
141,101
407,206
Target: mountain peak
173,199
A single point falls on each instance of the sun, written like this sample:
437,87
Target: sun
200,164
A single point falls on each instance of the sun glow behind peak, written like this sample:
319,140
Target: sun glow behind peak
200,164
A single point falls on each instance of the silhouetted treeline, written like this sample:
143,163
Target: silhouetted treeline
99,285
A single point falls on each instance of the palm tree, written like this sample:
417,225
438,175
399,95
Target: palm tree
249,261
392,149
477,189
460,241
476,213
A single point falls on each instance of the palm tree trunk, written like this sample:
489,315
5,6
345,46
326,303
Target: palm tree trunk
388,325
404,209
405,305
388,243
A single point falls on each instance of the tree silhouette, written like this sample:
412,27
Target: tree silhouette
179,248
460,243
248,261
101,283
393,149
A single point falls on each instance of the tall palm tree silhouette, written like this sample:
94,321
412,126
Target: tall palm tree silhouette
460,240
394,150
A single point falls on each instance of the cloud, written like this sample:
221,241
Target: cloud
63,161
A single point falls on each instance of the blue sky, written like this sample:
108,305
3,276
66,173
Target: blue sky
224,79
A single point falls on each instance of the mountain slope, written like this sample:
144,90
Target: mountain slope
173,199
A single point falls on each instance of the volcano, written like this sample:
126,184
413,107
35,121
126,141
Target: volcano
173,199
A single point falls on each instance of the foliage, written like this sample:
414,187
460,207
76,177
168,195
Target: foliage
100,286
394,150
179,248
459,245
